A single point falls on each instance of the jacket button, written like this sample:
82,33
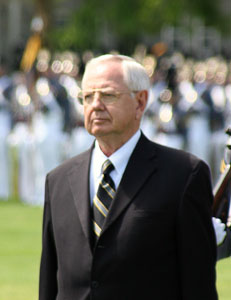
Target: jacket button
95,284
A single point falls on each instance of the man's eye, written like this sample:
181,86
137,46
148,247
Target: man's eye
108,95
88,96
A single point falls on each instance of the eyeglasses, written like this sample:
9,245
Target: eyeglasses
106,96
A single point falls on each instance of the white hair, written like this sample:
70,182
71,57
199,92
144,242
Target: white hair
135,75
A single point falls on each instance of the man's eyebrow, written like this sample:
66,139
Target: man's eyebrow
99,90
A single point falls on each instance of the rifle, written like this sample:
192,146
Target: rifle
222,188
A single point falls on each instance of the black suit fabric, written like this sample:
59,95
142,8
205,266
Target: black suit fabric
224,250
157,242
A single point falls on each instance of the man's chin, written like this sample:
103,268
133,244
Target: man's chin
99,132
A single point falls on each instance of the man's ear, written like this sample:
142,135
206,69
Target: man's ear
142,99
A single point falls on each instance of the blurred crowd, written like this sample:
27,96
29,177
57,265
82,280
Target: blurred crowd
41,121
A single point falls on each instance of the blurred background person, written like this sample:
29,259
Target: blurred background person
5,129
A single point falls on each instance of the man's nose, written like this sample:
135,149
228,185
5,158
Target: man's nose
96,101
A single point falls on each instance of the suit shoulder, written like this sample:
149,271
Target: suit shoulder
179,158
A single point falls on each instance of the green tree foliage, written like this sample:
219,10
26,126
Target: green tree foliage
126,21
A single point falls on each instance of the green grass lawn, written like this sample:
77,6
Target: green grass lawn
224,279
20,249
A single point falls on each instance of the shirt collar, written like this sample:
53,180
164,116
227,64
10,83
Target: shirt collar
119,158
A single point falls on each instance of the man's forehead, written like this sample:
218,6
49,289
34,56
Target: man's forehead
101,68
109,71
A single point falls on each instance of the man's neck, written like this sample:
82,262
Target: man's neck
109,148
110,145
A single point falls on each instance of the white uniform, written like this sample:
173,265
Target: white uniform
5,127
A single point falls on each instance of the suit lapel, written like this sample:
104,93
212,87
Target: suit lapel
140,166
78,177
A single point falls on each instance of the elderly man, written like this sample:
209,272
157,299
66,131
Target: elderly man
128,219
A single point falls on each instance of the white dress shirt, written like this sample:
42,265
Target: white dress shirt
119,159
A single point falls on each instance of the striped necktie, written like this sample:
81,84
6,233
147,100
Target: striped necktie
103,198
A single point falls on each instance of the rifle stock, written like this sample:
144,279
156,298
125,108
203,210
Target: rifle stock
220,188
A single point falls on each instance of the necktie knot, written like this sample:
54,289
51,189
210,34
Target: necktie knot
107,167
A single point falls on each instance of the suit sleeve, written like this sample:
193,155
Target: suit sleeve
196,237
48,266
224,250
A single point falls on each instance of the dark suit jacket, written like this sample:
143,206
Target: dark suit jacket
158,240
224,250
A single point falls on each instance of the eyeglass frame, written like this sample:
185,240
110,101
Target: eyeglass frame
92,92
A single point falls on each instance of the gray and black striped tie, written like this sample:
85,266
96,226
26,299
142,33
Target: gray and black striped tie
103,198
